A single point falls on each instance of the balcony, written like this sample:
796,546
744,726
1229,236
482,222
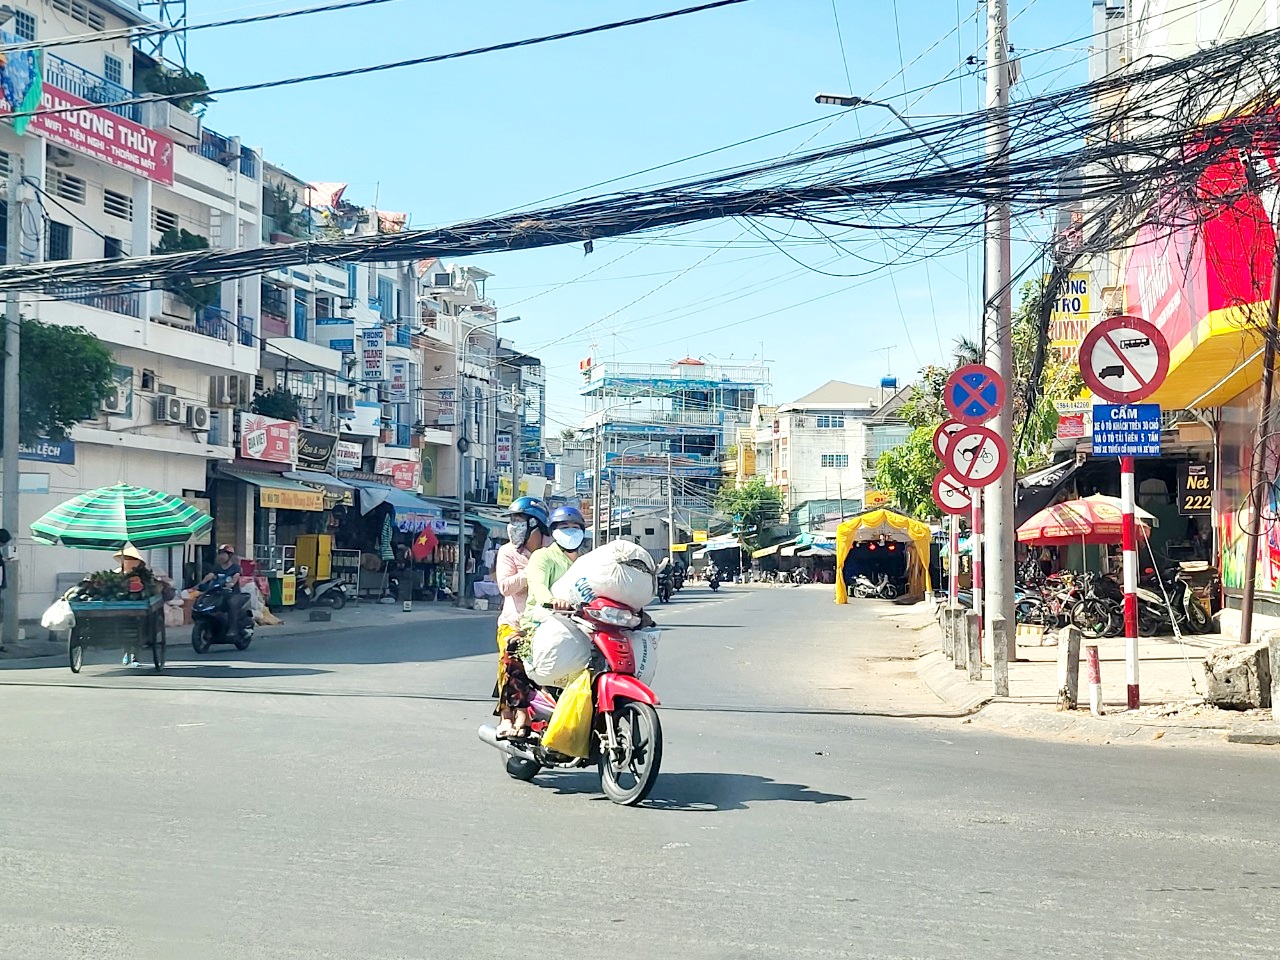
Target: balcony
246,331
127,303
86,85
216,147
213,322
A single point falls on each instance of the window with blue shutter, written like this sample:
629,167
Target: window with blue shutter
352,281
386,299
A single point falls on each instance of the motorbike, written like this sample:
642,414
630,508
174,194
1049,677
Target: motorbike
331,591
664,588
713,580
882,589
1153,611
211,615
677,579
626,735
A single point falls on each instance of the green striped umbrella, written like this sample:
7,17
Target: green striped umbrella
110,517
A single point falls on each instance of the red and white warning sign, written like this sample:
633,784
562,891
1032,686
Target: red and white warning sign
1124,359
942,437
976,456
951,495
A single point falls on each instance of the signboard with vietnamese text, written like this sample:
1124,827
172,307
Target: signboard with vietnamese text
348,455
1126,430
504,448
1195,490
273,499
373,355
315,449
265,438
48,451
403,473
398,381
1069,319
80,125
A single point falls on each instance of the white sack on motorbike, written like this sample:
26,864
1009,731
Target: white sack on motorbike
644,644
620,571
559,652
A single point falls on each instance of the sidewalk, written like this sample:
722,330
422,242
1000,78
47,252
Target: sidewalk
1171,681
296,623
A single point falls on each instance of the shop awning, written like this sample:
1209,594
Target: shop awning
278,492
492,524
336,485
412,514
765,551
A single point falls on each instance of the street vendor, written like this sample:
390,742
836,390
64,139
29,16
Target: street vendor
130,562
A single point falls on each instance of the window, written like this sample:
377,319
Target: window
837,460
58,241
111,248
163,221
386,299
66,187
24,25
4,165
352,281
113,69
830,423
117,205
79,10
650,531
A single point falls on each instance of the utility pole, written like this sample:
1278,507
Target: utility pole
595,486
997,539
459,416
671,513
12,339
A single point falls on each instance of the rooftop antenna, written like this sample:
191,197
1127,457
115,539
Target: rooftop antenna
888,367
172,16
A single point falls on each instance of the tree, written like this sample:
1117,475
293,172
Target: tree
195,295
752,507
277,403
66,373
907,471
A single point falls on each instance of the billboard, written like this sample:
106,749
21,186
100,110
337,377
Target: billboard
265,438
373,355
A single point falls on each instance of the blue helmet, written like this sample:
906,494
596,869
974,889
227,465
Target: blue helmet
530,507
568,515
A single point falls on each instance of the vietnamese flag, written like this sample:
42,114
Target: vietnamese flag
424,545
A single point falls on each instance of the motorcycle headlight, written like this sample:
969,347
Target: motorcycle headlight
616,617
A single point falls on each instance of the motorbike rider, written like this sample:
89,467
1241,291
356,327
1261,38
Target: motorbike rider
527,527
568,530
713,572
226,573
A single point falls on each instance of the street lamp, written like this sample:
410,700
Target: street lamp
463,445
837,100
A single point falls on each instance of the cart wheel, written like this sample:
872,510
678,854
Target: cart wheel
75,655
158,649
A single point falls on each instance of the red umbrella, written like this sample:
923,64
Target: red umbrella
1093,520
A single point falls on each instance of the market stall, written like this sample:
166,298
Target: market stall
894,536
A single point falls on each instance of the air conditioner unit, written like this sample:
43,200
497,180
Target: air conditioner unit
442,280
346,403
61,158
168,410
116,400
197,417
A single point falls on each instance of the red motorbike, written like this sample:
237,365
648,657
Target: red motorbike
626,737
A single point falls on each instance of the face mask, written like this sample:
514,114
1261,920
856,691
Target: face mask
518,533
569,538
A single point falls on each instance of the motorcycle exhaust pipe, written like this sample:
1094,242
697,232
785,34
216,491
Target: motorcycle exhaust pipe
489,734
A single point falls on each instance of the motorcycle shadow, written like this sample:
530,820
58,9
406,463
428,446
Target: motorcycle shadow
701,792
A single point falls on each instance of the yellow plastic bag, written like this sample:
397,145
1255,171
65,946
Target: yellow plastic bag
569,730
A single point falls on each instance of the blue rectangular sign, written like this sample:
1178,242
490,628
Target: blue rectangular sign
345,346
49,451
1126,430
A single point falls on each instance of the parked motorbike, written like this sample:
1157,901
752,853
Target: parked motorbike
1153,611
626,736
331,591
881,589
211,616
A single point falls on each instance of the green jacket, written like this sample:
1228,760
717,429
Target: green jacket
546,566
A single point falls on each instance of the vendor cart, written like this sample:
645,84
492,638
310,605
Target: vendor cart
126,625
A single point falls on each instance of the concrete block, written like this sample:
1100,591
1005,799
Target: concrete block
999,668
948,621
320,616
1272,641
973,645
1068,668
1239,678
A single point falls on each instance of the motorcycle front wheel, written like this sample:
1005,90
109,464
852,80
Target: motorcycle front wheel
627,776
1092,618
200,638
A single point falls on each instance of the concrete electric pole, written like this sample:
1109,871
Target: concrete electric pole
12,338
998,497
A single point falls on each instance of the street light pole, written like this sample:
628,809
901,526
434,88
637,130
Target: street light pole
836,100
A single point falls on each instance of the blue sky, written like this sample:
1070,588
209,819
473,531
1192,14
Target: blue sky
472,137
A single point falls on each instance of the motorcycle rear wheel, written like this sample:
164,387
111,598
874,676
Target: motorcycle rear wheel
1092,618
337,599
1198,619
627,780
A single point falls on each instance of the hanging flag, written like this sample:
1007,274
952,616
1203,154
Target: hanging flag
21,81
424,545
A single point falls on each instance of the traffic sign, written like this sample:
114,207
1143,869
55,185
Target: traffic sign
1126,430
1124,359
976,456
942,437
973,394
951,495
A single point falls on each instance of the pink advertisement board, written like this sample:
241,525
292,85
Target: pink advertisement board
104,135
265,438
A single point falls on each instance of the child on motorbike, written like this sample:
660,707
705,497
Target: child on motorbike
527,524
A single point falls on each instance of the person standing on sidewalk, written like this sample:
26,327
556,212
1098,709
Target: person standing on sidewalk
527,524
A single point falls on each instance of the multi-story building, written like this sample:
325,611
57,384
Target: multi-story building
660,424
123,182
522,418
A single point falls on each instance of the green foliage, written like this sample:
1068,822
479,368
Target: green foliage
111,585
66,372
278,403
168,82
196,295
752,507
283,210
907,471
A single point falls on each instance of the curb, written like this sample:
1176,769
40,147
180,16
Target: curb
1017,718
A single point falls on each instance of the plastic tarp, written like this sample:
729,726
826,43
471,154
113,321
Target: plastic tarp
893,526
412,514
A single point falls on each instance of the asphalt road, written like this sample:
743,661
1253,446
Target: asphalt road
327,798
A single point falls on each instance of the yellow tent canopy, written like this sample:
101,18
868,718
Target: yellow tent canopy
893,526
